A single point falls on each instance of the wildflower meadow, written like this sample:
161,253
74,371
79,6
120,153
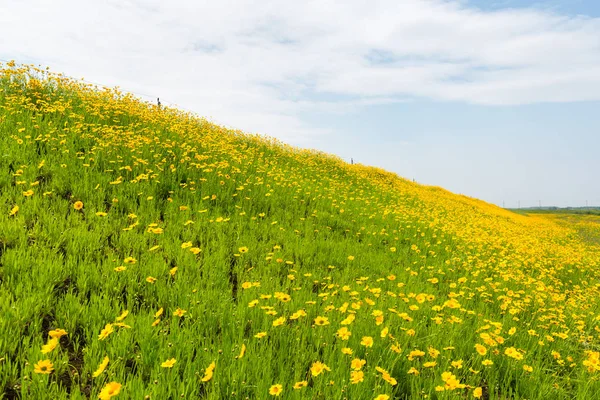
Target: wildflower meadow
146,253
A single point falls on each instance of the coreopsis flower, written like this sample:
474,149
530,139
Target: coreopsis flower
477,392
242,351
13,211
50,345
414,354
43,367
195,250
123,315
382,397
318,367
179,312
300,385
367,341
101,367
57,333
108,329
357,364
109,390
321,321
513,353
208,374
480,349
78,205
356,377
168,363
276,390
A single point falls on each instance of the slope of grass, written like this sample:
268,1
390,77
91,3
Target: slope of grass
207,263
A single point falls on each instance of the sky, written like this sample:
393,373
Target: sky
498,100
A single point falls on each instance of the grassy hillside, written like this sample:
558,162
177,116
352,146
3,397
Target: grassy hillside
148,254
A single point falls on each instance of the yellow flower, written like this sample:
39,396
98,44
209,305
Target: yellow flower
382,397
260,335
300,385
179,312
159,313
151,279
318,367
243,249
28,193
279,321
195,250
57,333
123,315
101,367
413,371
242,351
169,363
43,367
110,390
477,392
50,345
357,364
78,205
347,351
108,329
415,353
367,341
513,353
246,285
208,374
356,377
321,321
487,362
120,269
14,211
480,349
527,368
276,390
129,260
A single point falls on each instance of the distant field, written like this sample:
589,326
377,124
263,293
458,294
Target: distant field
586,224
146,253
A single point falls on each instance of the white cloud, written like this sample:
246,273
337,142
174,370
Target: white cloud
257,65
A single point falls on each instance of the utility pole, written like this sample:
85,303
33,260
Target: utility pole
540,203
503,204
519,204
